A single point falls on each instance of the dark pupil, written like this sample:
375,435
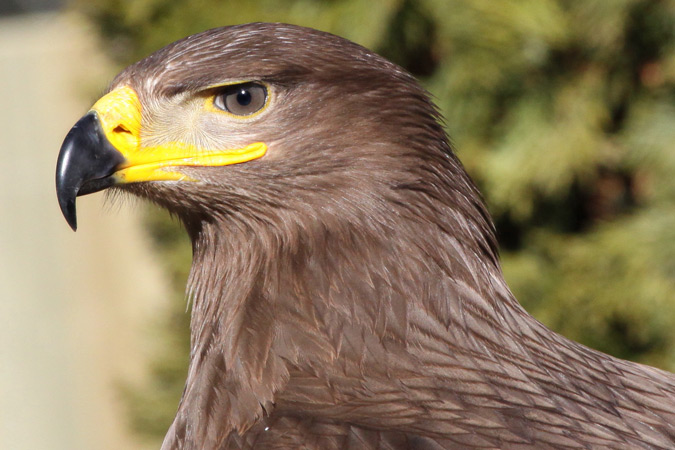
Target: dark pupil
244,97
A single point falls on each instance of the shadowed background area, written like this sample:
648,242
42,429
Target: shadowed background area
562,112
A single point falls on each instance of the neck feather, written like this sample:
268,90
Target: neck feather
391,331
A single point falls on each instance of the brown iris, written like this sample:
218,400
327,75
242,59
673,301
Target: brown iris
241,99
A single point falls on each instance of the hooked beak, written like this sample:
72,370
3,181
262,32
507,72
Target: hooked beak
104,149
86,163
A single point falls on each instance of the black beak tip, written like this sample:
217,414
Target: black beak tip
67,179
66,187
67,204
85,163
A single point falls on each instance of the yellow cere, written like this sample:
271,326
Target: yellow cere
119,113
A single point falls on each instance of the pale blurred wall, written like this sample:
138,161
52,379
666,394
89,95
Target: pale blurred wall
72,305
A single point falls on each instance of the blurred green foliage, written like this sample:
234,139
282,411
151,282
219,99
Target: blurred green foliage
563,111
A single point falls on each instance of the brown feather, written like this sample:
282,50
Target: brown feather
346,287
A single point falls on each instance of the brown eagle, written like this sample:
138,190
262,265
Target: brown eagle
346,286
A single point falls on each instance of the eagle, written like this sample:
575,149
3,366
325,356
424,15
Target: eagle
346,287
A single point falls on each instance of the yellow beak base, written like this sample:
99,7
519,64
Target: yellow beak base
120,115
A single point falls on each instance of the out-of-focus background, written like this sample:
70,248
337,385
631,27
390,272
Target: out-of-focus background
74,308
563,111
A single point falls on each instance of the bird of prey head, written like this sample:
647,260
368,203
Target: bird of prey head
346,286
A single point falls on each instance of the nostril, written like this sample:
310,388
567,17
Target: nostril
121,129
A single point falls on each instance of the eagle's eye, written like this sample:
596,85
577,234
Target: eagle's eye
241,99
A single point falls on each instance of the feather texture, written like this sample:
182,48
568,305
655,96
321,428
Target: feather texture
346,288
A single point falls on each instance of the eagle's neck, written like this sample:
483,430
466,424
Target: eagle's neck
391,332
